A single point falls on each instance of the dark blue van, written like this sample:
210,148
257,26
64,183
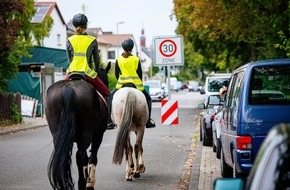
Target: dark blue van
258,98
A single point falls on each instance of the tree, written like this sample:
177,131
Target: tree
224,34
16,31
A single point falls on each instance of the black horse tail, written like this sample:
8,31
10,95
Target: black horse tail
59,167
124,130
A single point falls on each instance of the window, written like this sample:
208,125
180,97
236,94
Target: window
111,55
58,40
237,89
232,96
270,85
215,84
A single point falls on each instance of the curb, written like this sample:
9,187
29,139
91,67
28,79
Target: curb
22,127
194,178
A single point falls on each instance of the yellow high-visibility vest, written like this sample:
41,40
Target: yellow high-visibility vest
80,44
128,67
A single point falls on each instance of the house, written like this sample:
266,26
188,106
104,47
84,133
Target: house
57,36
115,48
145,57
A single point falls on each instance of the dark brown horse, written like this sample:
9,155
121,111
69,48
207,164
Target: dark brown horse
75,113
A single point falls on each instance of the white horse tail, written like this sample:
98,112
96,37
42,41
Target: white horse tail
124,129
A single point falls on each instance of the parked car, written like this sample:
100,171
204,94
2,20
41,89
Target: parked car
201,89
214,82
271,169
257,98
156,91
216,133
193,86
206,119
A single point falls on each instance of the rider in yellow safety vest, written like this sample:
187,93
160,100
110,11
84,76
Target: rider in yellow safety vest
128,70
83,57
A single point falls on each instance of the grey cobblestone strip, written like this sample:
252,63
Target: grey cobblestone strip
193,185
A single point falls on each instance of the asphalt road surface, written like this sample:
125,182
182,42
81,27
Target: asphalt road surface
24,156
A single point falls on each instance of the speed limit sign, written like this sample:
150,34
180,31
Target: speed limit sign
168,50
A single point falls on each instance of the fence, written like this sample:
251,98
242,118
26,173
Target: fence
27,106
6,101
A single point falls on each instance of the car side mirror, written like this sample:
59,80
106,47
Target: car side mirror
201,106
214,100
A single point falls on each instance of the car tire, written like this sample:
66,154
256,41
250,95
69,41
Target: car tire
205,140
218,149
226,170
200,132
213,147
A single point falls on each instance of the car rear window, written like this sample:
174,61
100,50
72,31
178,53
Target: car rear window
270,85
215,84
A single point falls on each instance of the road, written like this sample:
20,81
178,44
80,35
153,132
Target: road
24,156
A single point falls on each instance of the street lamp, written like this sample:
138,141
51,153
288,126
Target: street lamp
120,22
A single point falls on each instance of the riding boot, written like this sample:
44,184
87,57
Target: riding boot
150,122
110,124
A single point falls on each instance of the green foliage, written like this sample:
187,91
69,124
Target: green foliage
16,115
221,35
285,45
17,29
112,80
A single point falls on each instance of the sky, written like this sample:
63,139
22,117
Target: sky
152,15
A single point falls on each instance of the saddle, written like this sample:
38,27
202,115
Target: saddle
77,76
82,76
132,85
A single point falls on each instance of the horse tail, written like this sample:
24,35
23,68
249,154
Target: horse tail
59,168
124,130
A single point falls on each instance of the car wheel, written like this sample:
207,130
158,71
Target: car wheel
205,140
213,147
226,170
200,132
218,149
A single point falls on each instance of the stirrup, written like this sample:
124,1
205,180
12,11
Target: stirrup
111,126
150,124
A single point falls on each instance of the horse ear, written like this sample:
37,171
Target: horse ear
108,67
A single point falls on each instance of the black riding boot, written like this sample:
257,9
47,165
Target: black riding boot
150,122
110,124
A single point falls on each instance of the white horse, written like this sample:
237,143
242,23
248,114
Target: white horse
130,113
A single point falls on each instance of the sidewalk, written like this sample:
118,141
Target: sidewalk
27,123
206,168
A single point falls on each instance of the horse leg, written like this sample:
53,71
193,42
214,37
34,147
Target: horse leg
129,161
138,149
93,160
82,163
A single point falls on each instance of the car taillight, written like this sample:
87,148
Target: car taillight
212,116
244,142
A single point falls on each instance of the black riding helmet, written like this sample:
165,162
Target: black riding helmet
80,20
128,44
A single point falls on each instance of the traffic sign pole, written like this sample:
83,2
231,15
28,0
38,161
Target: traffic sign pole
168,51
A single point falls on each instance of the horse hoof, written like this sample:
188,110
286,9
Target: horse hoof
128,179
141,168
137,175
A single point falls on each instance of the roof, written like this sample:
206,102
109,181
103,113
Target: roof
101,40
45,8
146,51
114,38
94,31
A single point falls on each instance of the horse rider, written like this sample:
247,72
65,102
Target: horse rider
128,70
83,56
